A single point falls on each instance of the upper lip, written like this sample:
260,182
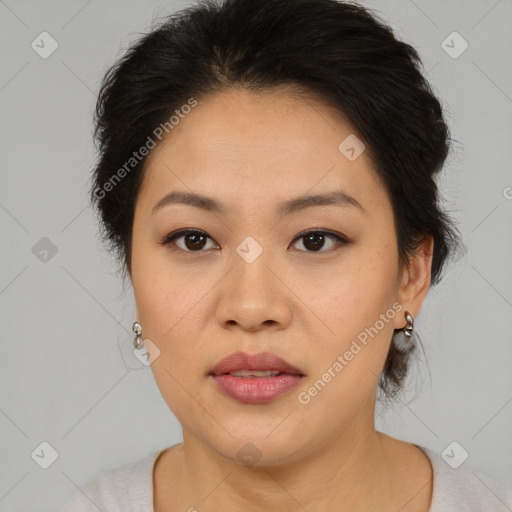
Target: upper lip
260,362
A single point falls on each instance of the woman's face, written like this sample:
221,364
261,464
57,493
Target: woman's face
255,283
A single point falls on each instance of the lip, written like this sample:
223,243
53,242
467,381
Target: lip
255,390
260,362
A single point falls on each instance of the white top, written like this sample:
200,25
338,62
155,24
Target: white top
129,488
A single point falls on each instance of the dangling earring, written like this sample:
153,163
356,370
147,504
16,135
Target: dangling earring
410,324
138,341
402,339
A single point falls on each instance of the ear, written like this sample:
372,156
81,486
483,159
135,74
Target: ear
415,282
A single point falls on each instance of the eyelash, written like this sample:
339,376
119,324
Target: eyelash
166,241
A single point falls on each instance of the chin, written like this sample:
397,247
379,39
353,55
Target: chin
256,447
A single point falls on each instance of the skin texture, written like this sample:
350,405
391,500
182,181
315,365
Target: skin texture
251,152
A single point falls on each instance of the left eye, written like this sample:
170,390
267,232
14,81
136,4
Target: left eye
195,240
314,240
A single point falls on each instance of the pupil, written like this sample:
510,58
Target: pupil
195,238
317,240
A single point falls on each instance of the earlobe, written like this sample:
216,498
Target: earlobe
416,279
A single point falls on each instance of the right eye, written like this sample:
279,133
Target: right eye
193,240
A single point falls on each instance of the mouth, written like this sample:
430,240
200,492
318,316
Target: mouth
254,373
255,378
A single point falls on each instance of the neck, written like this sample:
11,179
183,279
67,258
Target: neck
348,472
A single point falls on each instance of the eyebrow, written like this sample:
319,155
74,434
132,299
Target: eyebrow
334,198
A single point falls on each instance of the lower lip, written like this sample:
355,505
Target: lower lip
256,390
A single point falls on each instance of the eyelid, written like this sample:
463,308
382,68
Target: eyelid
322,231
167,239
340,239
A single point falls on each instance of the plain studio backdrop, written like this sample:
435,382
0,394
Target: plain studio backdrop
71,389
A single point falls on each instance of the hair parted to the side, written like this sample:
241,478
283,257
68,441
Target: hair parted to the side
335,51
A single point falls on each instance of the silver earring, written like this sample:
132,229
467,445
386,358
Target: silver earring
402,339
138,341
410,324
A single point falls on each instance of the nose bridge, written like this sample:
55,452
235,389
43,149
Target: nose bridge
251,275
251,295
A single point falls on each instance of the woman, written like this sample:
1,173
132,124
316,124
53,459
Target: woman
267,181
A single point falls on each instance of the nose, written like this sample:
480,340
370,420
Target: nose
254,296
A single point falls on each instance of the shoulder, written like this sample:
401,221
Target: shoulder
464,489
129,486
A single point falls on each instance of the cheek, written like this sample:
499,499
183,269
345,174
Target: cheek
171,309
357,306
349,362
163,294
360,290
152,292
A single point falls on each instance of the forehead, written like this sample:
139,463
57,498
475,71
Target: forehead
259,146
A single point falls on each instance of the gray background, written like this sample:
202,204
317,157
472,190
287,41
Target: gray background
67,374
